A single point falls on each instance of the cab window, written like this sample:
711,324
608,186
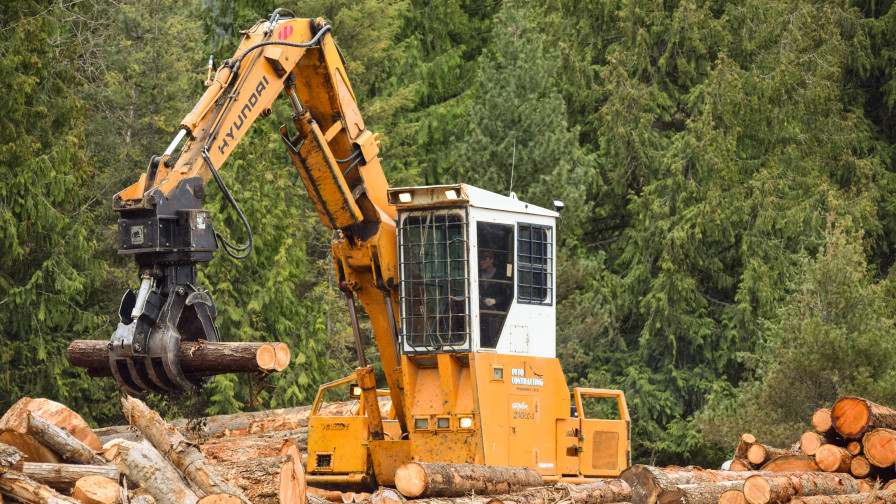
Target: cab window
495,257
535,263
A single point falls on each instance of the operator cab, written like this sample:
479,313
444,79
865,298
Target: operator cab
477,272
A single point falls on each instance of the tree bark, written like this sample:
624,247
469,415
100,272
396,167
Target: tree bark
647,483
420,479
9,456
14,427
25,489
97,490
267,444
144,465
258,478
64,476
780,489
791,463
60,441
879,446
832,458
882,497
853,416
759,453
221,499
197,358
170,443
698,493
599,492
810,442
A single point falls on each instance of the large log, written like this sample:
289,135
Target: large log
258,478
648,482
791,463
780,489
267,444
598,492
60,441
879,446
197,358
14,427
64,476
698,493
97,490
882,497
759,453
25,489
170,443
832,458
853,416
144,465
421,479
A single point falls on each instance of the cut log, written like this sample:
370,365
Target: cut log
780,489
170,443
292,486
60,441
283,356
258,478
832,458
883,497
385,495
144,465
853,416
743,445
647,483
698,493
879,446
221,499
421,479
854,448
821,421
197,358
64,476
740,465
759,453
791,463
810,442
859,467
732,497
14,427
97,490
25,489
597,492
267,444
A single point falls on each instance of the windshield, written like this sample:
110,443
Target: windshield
434,277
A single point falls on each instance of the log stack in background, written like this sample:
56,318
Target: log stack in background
48,454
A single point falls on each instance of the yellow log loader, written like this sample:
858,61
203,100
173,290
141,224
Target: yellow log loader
458,283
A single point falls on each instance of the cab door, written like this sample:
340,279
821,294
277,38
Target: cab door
604,443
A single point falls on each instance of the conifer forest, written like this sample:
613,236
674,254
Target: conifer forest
728,170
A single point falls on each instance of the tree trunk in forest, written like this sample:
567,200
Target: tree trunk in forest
879,446
60,441
144,465
759,453
780,489
832,458
883,497
14,427
197,358
810,442
25,489
97,490
170,443
420,479
648,482
64,476
859,466
791,463
853,416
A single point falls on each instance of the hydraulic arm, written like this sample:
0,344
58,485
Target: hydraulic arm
164,226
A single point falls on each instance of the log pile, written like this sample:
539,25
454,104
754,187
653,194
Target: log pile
48,454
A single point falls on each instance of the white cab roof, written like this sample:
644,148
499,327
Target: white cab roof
441,195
